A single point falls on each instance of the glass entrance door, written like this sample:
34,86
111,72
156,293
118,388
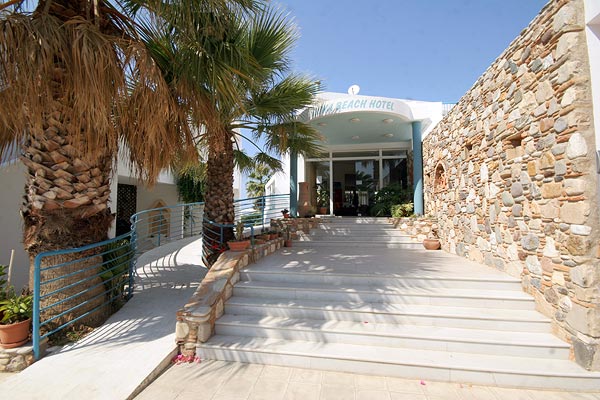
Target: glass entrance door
354,185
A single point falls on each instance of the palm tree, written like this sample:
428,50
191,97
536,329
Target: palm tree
251,58
76,82
270,97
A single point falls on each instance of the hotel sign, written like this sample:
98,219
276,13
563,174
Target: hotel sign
357,104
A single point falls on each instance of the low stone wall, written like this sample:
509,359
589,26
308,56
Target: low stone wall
295,225
418,228
510,174
196,320
17,359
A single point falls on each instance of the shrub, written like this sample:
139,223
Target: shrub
254,218
402,210
389,196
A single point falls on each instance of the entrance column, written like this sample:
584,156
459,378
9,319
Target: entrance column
293,183
417,167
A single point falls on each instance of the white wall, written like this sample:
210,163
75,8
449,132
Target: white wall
12,181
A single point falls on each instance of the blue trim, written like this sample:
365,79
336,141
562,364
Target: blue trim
417,167
293,184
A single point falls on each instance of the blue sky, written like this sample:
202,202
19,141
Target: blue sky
430,50
419,49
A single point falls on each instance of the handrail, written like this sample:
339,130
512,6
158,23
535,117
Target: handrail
108,267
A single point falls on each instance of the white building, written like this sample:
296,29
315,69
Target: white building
370,143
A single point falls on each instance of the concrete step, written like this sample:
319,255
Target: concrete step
404,244
525,344
366,238
407,363
367,231
507,299
445,316
383,281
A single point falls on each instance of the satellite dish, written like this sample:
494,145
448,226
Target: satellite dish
354,89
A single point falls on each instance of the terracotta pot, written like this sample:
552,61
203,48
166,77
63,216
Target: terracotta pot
238,246
273,236
322,210
288,243
432,244
286,215
14,335
259,241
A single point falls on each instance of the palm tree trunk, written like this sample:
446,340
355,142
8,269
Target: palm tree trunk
218,207
65,206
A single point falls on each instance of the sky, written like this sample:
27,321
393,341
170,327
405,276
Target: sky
431,50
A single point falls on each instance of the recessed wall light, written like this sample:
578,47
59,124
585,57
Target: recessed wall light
355,137
354,119
388,135
388,121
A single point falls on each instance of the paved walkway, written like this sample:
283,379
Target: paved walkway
219,380
135,343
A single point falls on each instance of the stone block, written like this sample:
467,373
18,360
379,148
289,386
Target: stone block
558,278
530,242
204,331
575,187
584,320
577,146
550,210
533,265
582,230
219,309
587,353
566,42
552,190
17,364
585,275
182,330
575,212
578,245
589,295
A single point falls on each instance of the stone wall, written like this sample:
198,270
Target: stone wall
418,228
17,359
196,320
510,174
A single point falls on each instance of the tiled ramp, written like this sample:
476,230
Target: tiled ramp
383,306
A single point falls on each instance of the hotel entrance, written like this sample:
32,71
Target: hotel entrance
347,183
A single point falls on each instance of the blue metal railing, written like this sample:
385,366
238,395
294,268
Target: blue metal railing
107,268
256,213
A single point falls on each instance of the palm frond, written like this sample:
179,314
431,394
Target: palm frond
243,161
268,160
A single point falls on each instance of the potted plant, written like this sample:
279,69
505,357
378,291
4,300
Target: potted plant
285,212
322,200
15,318
273,235
239,244
432,242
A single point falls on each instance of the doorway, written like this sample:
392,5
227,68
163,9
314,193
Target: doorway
354,186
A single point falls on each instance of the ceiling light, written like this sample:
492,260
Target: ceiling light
388,135
354,119
388,121
355,137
